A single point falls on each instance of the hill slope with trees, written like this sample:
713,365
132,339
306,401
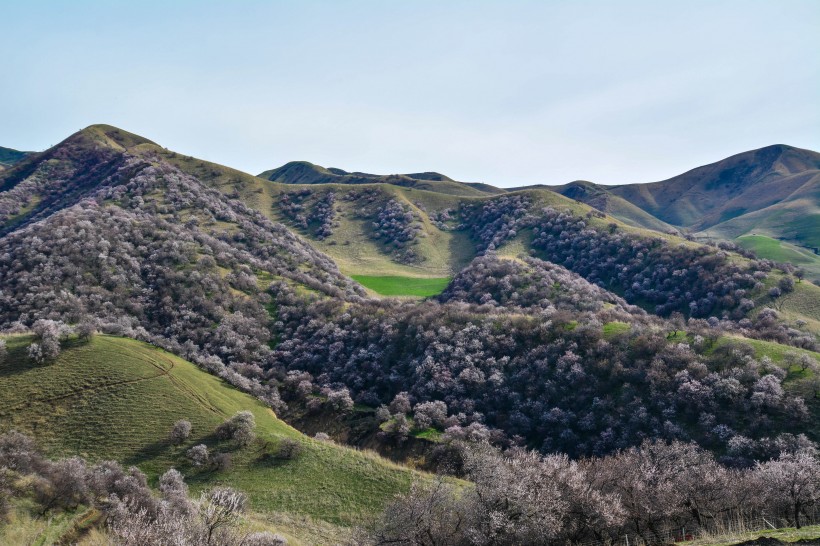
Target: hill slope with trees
113,398
562,330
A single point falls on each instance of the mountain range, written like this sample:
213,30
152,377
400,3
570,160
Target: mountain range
766,199
579,319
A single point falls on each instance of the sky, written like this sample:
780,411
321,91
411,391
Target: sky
508,92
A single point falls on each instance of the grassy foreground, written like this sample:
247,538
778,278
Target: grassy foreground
403,286
786,535
116,398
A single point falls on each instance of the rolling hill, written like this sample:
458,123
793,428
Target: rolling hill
772,192
9,157
601,198
340,226
116,398
715,193
303,172
530,318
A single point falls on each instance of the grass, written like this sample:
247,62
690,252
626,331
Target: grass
801,303
23,528
775,351
403,286
116,398
783,252
615,328
779,251
430,434
789,534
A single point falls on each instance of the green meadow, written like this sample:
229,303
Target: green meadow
403,286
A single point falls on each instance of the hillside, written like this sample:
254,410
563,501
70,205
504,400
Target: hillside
528,318
783,252
303,172
237,273
601,198
9,157
116,398
774,191
367,229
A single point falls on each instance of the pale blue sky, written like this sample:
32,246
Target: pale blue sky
509,92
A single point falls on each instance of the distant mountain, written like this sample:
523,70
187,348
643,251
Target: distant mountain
767,200
9,157
304,172
729,189
602,199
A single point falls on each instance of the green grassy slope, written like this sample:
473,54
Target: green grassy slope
403,286
353,244
783,252
116,398
772,249
800,304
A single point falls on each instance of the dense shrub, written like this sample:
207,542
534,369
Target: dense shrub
323,214
497,220
696,280
650,493
306,210
531,284
552,378
397,226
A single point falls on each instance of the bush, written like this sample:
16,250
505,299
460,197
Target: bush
289,449
264,538
429,414
340,400
223,461
239,428
401,404
180,431
198,455
85,330
786,284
